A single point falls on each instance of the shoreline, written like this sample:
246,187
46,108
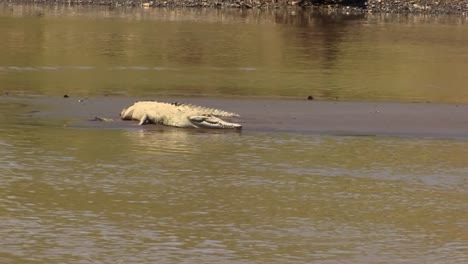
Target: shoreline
441,7
336,118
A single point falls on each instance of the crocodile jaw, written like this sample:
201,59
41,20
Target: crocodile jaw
209,121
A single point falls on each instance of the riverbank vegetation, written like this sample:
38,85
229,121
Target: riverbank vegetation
342,6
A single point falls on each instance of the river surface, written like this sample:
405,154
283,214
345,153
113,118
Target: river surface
77,193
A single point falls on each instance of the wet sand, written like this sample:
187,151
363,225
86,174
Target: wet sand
274,116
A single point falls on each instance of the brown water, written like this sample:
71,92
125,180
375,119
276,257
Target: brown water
81,194
155,52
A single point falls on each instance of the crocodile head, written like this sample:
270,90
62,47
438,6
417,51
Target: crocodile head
126,115
209,121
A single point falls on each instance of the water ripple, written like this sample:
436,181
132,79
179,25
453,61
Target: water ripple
175,195
44,68
116,68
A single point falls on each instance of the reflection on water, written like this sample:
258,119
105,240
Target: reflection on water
167,140
56,50
172,195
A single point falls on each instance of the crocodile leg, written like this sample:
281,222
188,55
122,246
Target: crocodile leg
143,120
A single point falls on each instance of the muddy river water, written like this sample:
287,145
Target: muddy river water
373,170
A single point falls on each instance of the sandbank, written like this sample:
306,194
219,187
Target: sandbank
273,115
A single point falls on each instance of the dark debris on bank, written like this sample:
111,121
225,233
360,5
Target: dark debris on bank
346,6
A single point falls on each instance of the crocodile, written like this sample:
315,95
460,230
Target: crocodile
178,115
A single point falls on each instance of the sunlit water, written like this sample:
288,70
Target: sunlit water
73,194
